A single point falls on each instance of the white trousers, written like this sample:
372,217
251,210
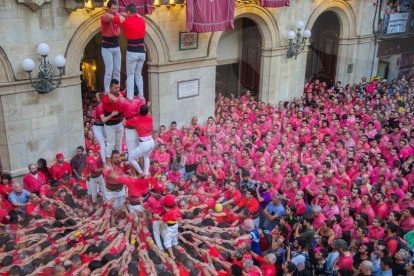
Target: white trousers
112,61
144,150
157,226
131,139
117,197
170,236
99,134
136,208
114,135
93,185
134,63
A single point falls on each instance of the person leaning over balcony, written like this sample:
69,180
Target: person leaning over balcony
134,30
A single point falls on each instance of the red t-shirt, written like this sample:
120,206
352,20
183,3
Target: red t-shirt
134,26
5,190
136,186
109,28
58,171
33,184
142,124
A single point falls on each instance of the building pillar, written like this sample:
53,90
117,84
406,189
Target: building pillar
34,126
286,77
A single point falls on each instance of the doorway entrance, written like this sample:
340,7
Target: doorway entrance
323,50
238,58
93,68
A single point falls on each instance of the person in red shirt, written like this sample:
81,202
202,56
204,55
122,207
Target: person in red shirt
6,185
134,31
131,108
138,188
112,118
143,124
113,192
98,130
111,52
156,208
250,202
267,263
34,180
95,180
171,218
60,168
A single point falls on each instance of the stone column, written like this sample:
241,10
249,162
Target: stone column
287,76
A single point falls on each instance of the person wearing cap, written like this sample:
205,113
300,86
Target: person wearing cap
171,218
156,208
60,168
34,180
143,125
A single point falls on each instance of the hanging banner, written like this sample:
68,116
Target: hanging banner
274,3
143,6
210,16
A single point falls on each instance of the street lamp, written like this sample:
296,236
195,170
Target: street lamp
46,81
297,41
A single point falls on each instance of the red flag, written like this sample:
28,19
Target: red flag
274,3
143,6
210,15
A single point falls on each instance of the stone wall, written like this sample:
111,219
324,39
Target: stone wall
33,126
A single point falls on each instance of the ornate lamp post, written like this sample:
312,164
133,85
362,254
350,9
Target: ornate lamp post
46,81
297,41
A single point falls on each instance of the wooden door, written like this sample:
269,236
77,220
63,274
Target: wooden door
328,56
250,58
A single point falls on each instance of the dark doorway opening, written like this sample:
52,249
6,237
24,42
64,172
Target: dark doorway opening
93,68
239,55
323,50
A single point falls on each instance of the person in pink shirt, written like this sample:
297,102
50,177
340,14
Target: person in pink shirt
376,230
322,198
331,208
407,220
347,222
405,150
407,201
163,157
381,208
34,180
300,203
173,131
366,207
175,174
318,217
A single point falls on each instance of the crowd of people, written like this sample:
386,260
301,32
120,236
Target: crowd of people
322,185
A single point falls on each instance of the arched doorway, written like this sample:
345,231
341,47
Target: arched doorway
323,50
238,58
93,68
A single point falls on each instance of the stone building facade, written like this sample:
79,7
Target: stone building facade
33,125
